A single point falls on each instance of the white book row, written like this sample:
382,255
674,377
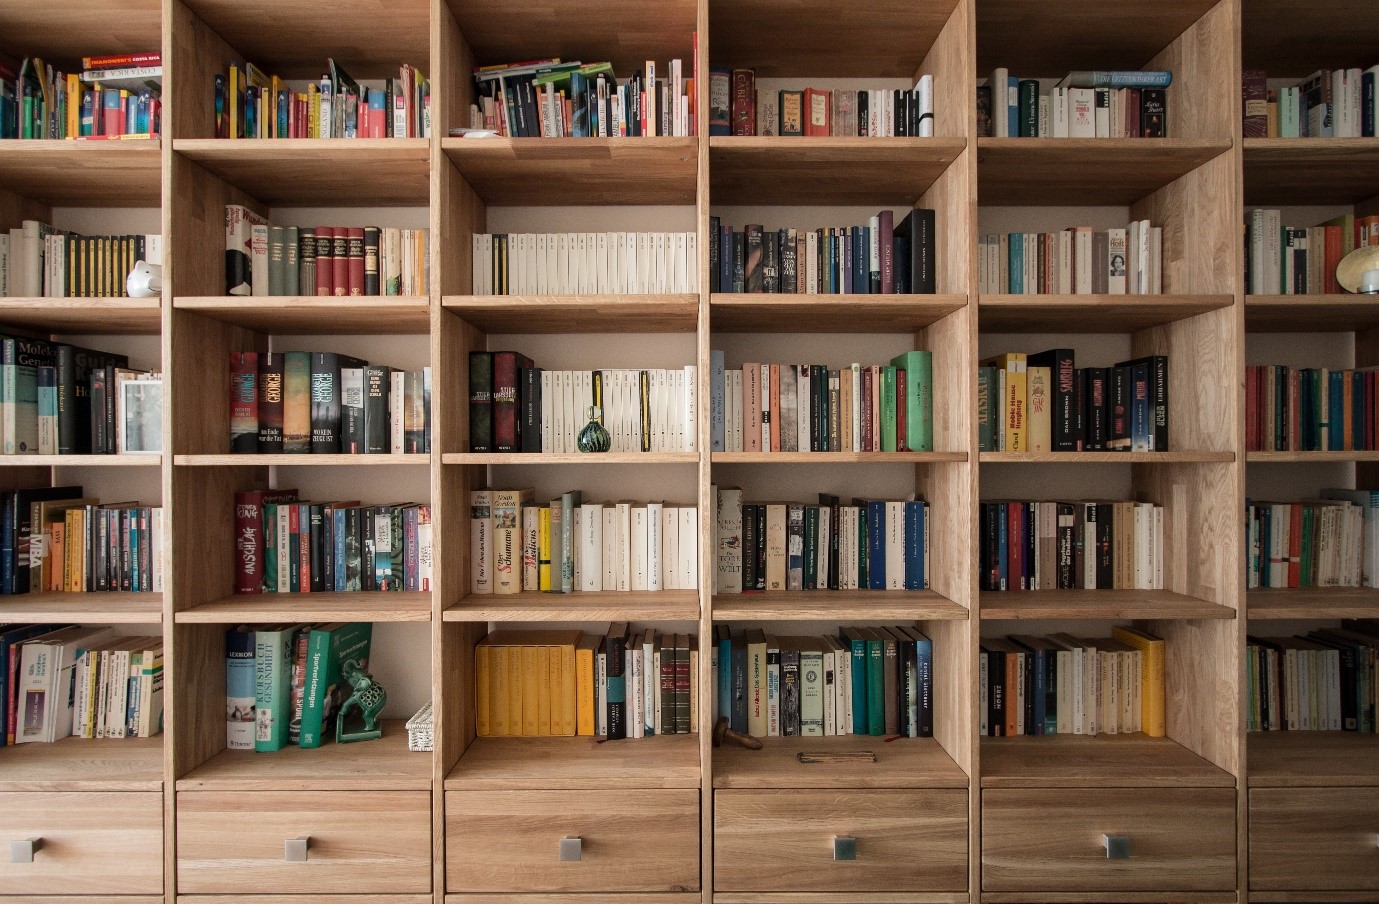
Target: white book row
642,410
1075,260
585,263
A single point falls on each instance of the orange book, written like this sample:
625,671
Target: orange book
818,107
1013,703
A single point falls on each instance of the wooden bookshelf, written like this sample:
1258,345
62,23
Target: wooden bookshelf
577,171
1097,604
336,172
84,173
569,458
121,460
329,460
577,764
1096,171
1310,457
1310,170
638,313
834,458
900,763
1048,458
1309,313
1116,761
111,608
757,312
1312,603
836,605
78,765
263,608
107,316
1290,759
317,315
1091,313
582,606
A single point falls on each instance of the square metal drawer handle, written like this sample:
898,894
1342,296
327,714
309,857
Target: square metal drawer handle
571,849
844,847
295,849
1117,846
22,851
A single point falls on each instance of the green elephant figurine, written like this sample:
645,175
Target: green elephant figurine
369,697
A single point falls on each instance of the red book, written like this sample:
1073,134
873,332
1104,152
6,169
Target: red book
867,432
340,261
1295,545
1133,128
1333,258
818,112
303,530
900,406
356,259
325,260
1015,546
744,102
249,536
506,401
294,541
122,61
1252,409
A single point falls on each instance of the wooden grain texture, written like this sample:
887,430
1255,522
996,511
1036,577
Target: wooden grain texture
1286,40
78,764
1310,170
1297,759
1309,839
1204,370
84,173
776,840
317,172
1313,897
1090,313
1204,98
570,458
309,899
1101,897
104,316
1197,237
1310,457
663,762
526,171
120,608
763,313
194,55
263,608
105,843
66,29
1310,313
835,458
452,87
304,460
1077,761
633,840
1098,604
1312,603
793,897
382,765
1128,458
577,313
836,605
908,763
949,61
313,315
195,250
1202,680
670,897
662,605
1097,171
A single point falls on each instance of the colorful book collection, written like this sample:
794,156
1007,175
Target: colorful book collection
551,98
113,97
1329,103
1294,260
623,683
1045,403
569,545
37,259
872,544
1310,409
284,545
249,103
1071,545
1332,541
1326,680
1128,104
736,107
285,683
1061,684
263,259
1077,260
568,263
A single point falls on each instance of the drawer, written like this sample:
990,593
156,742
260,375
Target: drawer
357,842
1314,839
1180,839
514,841
100,843
784,841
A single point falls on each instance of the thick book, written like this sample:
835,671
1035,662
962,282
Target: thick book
615,645
251,549
329,647
1061,391
480,401
918,367
377,411
296,402
271,395
244,402
916,231
239,689
506,400
272,686
326,404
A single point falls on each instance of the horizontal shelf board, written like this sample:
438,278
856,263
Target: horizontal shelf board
1291,40
1311,170
677,313
382,765
1091,313
821,171
1113,172
837,605
77,764
319,172
340,460
1310,313
1364,896
1290,759
664,605
1104,761
1163,458
1106,897
259,608
833,458
757,312
317,315
1312,602
113,608
122,460
106,316
570,458
1097,604
836,897
84,173
577,764
1304,457
66,29
900,763
578,171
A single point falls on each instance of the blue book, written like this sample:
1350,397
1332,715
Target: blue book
1036,685
924,653
1149,78
1015,269
1003,544
1336,413
876,545
284,120
1357,409
725,672
717,410
340,532
857,645
915,578
239,689
579,115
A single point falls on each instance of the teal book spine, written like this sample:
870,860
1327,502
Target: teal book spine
239,689
328,648
858,647
919,399
876,688
272,688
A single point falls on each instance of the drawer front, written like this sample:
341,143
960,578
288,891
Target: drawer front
624,841
1314,839
88,843
1180,839
785,841
356,842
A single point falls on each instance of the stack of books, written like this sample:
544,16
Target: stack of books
737,107
1329,103
113,97
1309,409
1297,260
37,259
1077,260
569,263
1328,542
1071,546
1130,104
249,103
1322,681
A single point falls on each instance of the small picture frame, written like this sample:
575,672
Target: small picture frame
141,428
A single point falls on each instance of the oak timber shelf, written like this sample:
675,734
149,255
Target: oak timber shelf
124,173
382,765
1306,457
107,316
760,312
834,458
97,608
1090,313
1104,761
527,171
569,458
1310,313
120,460
1131,458
65,29
900,763
1018,172
837,605
1288,759
1310,170
316,314
1097,604
261,608
773,170
1291,40
1312,602
333,460
577,764
79,764
318,172
581,606
632,313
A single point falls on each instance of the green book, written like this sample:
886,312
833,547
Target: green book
811,547
876,683
852,639
888,408
297,402
272,686
986,423
569,502
327,649
919,399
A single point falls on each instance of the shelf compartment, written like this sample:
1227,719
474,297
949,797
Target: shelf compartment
675,313
1097,604
121,460
662,605
105,316
1310,170
337,460
1113,172
317,315
756,312
1312,602
834,458
84,173
111,608
79,764
1090,313
577,171
570,458
1291,759
261,608
1309,457
577,764
1129,458
319,172
900,763
1291,40
1106,761
64,29
772,170
837,605
382,765
1310,313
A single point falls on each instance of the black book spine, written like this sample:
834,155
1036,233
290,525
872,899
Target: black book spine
318,550
863,114
1105,558
715,277
739,262
996,693
922,267
368,578
755,265
616,648
481,402
372,281
770,267
98,394
899,113
1064,413
354,550
789,273
1154,113
737,657
270,402
71,439
1158,401
328,549
1095,397
1120,381
1079,409
377,422
789,693
110,410
325,402
530,413
761,547
749,547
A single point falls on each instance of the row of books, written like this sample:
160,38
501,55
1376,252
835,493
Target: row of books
1310,409
1077,260
872,544
37,259
263,259
1329,103
623,683
1081,105
1294,260
111,97
326,403
1326,680
284,545
814,408
1328,542
249,103
737,107
1051,545
1045,403
567,263
118,689
285,683
1063,684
